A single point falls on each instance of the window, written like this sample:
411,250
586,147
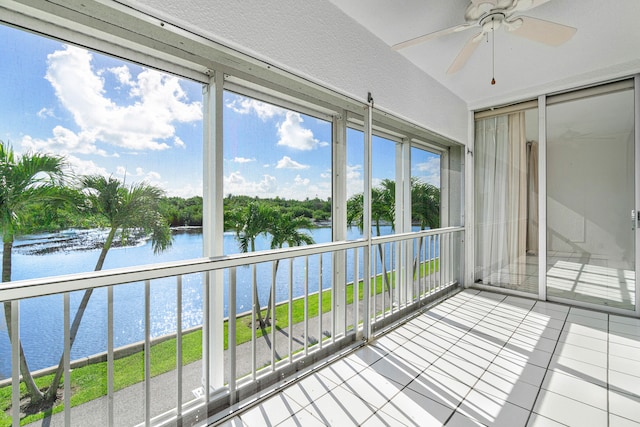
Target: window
118,128
425,189
277,172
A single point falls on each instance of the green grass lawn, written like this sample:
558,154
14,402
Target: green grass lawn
90,382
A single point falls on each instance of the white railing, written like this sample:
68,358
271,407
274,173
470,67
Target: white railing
325,304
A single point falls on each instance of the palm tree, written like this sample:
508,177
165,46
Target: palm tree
125,209
287,228
382,209
26,180
425,209
253,220
425,204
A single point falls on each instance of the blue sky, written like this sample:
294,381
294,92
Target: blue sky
116,118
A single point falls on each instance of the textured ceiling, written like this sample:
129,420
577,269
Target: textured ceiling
606,46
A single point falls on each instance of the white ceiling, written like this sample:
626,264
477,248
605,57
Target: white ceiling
606,46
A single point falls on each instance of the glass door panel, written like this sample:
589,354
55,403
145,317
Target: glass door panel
590,200
506,201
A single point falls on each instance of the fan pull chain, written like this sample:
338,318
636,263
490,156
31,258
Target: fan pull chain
493,53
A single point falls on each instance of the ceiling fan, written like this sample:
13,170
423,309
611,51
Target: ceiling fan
490,15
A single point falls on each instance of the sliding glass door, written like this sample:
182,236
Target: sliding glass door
591,219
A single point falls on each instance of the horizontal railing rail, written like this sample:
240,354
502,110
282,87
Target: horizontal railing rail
28,288
323,298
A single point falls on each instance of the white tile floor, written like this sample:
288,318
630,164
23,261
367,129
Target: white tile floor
479,358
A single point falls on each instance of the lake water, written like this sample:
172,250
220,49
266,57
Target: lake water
41,319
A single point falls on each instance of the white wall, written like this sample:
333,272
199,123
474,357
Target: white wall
316,40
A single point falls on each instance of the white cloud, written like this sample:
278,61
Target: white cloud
45,112
301,181
355,183
178,142
353,171
300,189
293,135
287,163
65,141
429,171
123,75
235,183
243,160
140,174
85,167
156,102
263,110
184,191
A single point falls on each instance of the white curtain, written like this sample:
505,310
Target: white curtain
500,158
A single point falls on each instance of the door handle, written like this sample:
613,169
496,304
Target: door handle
634,219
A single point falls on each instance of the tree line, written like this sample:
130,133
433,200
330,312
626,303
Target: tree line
177,211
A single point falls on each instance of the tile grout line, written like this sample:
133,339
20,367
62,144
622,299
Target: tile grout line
546,371
486,369
438,358
420,373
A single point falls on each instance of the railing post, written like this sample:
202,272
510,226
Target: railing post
232,336
110,359
147,353
15,362
67,359
179,345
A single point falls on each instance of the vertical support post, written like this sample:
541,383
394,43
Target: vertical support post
405,254
213,228
366,220
455,176
542,197
15,363
339,216
469,191
395,262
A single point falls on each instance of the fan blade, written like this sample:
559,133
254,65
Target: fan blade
431,36
465,53
522,5
547,32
